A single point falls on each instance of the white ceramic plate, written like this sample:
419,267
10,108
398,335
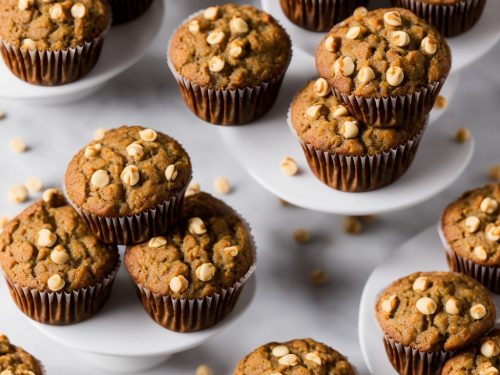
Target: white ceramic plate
261,146
431,257
466,48
123,47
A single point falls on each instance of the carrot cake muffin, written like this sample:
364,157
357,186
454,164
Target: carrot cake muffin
15,361
301,356
48,251
471,233
129,185
210,252
128,10
229,62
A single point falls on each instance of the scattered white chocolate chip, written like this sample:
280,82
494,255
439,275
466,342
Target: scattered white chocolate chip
211,13
344,65
289,166
319,277
99,179
194,27
280,351
389,304
197,226
353,225
313,357
365,74
78,10
489,205
205,272
157,242
92,150
135,151
216,64
18,194
421,284
321,87
130,175
314,111
462,135
148,135
215,37
204,370
235,50
488,369
395,75
232,251
494,172
24,4
34,184
472,224
340,111
353,32
400,38
480,252
441,102
59,255
452,306
55,283
193,188
393,18
46,238
360,12
18,145
478,311
222,185
428,45
49,194
7,372
178,284
489,349
56,12
350,129
493,233
238,26
302,235
99,134
289,360
28,44
330,44
171,173
426,306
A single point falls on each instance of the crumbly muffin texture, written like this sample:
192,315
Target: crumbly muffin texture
230,46
471,225
52,25
432,311
48,247
210,249
481,359
16,360
320,120
130,170
388,51
296,357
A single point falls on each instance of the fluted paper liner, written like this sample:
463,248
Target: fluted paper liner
319,15
228,106
128,10
62,308
392,111
409,361
449,19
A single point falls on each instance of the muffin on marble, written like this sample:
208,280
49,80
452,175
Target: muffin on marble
229,62
190,278
15,361
470,229
301,356
427,316
343,152
129,186
57,271
450,17
52,42
128,10
481,359
387,66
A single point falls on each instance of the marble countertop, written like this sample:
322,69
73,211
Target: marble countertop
287,305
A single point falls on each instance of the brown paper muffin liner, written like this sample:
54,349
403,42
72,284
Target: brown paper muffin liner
449,19
319,15
128,10
392,111
409,361
62,308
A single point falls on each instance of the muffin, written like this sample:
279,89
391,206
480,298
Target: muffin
301,356
470,229
427,316
128,10
319,15
15,361
478,360
450,17
57,271
55,42
229,62
387,66
343,152
129,186
190,278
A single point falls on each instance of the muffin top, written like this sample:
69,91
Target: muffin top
16,360
54,24
130,170
230,46
442,2
208,250
433,311
320,120
481,359
388,51
471,225
304,357
48,247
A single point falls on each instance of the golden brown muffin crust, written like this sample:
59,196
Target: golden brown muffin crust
374,48
48,33
226,246
311,357
28,263
262,52
16,360
458,235
441,330
118,198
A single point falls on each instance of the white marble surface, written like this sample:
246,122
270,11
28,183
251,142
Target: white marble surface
287,306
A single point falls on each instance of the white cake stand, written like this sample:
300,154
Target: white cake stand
124,46
465,48
122,337
431,257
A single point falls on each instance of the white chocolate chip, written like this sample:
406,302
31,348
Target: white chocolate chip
56,12
330,44
472,224
135,151
4,220
99,134
49,194
100,178
366,74
421,284
353,33
235,50
489,349
78,10
7,372
393,18
480,252
34,184
232,251
280,351
59,255
395,75
344,65
452,306
313,357
400,38
360,12
216,64
289,360
489,205
215,37
24,4
28,44
46,238
314,111
157,242
197,226
288,166
350,129
18,145
426,306
193,188
194,27
340,111
222,185
148,135
204,370
238,26
178,284
493,233
55,283
130,175
428,45
92,150
321,87
205,272
478,311
211,13
18,194
488,369
389,304
171,173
